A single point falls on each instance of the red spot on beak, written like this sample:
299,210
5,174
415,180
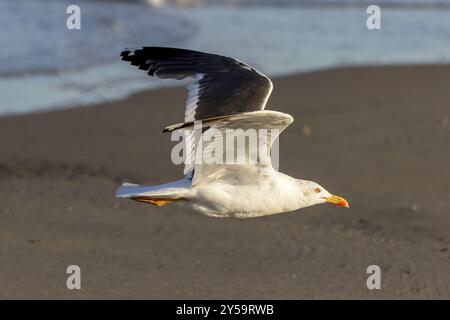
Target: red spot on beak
342,204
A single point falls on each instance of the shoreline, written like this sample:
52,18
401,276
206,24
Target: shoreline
294,74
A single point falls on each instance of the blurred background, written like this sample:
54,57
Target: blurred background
372,124
44,65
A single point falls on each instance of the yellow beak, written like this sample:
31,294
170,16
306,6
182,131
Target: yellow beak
341,202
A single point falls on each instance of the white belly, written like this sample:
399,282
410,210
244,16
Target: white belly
263,197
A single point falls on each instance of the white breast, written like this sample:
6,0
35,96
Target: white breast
269,194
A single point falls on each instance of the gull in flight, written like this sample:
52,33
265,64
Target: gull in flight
224,95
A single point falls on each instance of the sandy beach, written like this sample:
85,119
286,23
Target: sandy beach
378,136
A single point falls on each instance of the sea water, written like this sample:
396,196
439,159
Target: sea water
44,65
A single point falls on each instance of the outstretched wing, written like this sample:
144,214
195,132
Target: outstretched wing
234,143
221,85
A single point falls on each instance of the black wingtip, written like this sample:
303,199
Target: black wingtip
125,55
129,54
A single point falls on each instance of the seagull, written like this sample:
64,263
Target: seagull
224,95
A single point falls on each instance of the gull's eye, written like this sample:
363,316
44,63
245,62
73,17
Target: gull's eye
317,190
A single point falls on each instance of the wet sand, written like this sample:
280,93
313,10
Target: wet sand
379,136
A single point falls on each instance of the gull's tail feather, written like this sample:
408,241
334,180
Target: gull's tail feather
158,195
127,184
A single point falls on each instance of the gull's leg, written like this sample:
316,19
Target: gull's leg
155,201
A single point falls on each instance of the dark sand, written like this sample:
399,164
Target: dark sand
379,138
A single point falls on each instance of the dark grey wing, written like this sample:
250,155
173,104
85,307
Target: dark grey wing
221,86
